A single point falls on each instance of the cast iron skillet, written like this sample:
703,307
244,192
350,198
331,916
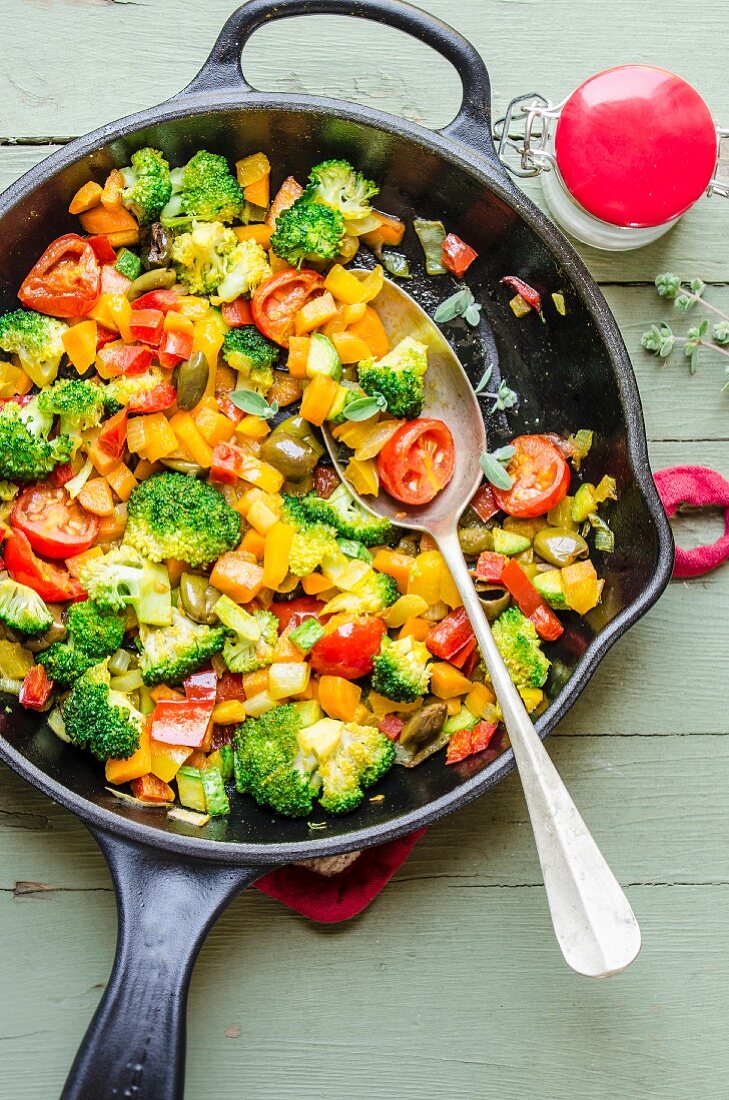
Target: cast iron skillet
172,882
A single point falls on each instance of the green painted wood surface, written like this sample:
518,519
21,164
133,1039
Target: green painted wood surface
451,985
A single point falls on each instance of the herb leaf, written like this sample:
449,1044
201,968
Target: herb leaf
362,408
254,404
493,464
505,398
461,304
485,380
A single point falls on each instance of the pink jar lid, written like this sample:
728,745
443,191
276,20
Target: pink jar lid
636,145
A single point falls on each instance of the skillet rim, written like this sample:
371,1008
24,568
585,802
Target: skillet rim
483,166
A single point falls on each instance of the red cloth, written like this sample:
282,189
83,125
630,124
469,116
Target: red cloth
342,896
699,486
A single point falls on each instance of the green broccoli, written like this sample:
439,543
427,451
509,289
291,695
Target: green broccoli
400,671
398,377
170,653
371,593
519,645
247,266
147,186
338,185
307,232
312,542
36,340
248,351
92,635
252,635
123,578
22,609
173,515
348,759
126,388
99,719
26,453
202,256
79,404
349,519
203,189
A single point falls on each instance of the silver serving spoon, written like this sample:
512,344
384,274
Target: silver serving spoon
593,921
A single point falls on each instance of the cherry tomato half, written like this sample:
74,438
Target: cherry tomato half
417,461
277,301
54,525
52,584
541,478
348,650
65,281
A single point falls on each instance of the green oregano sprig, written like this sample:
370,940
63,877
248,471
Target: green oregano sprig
661,340
504,398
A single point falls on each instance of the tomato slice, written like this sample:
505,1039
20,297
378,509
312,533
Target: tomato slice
65,281
277,301
51,583
417,461
541,478
348,650
54,525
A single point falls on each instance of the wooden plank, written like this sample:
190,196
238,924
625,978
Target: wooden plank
444,988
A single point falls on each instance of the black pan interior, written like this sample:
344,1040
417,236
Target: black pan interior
564,371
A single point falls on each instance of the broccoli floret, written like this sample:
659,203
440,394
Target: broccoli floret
248,266
170,653
519,645
92,635
398,377
312,542
248,351
349,519
400,671
205,190
203,255
79,404
269,765
99,719
372,593
36,340
307,232
253,635
124,578
126,388
22,609
349,758
26,453
176,516
147,186
337,184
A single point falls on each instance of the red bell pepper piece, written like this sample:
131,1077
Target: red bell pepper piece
146,325
450,634
460,658
392,726
164,300
18,399
202,686
295,612
36,689
104,335
457,255
238,313
466,742
490,566
222,735
182,721
112,281
53,584
103,248
148,788
61,474
174,348
113,436
230,686
227,463
484,503
530,603
230,410
128,359
158,399
528,293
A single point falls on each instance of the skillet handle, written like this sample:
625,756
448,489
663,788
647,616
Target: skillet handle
222,72
135,1044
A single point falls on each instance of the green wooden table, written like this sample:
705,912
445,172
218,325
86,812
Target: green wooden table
452,984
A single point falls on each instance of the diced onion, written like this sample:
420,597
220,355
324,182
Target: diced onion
76,484
129,681
55,721
10,687
119,662
259,704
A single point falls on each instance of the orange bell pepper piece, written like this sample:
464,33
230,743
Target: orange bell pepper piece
254,543
124,771
113,527
260,233
235,576
80,344
478,699
111,196
315,313
95,497
315,583
318,399
122,481
254,683
391,231
78,561
395,564
276,554
285,390
350,348
87,196
298,356
100,220
103,462
213,426
415,627
339,698
258,193
372,331
446,681
149,788
288,193
186,431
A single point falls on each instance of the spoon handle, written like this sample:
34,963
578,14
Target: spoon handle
593,921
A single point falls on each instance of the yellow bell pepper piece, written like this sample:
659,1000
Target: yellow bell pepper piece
276,554
120,311
581,586
151,437
231,710
362,473
251,169
261,517
426,577
13,381
185,430
192,307
349,289
448,591
167,759
252,427
80,345
15,661
208,335
318,399
380,705
531,697
407,607
479,697
351,349
261,474
213,426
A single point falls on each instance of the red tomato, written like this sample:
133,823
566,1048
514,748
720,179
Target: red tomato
325,481
417,461
238,313
103,248
348,650
36,689
66,280
457,255
295,612
175,348
125,358
540,474
158,399
52,584
113,436
113,281
54,525
277,301
146,325
165,300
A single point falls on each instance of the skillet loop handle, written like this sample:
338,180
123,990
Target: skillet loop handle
135,1044
223,73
